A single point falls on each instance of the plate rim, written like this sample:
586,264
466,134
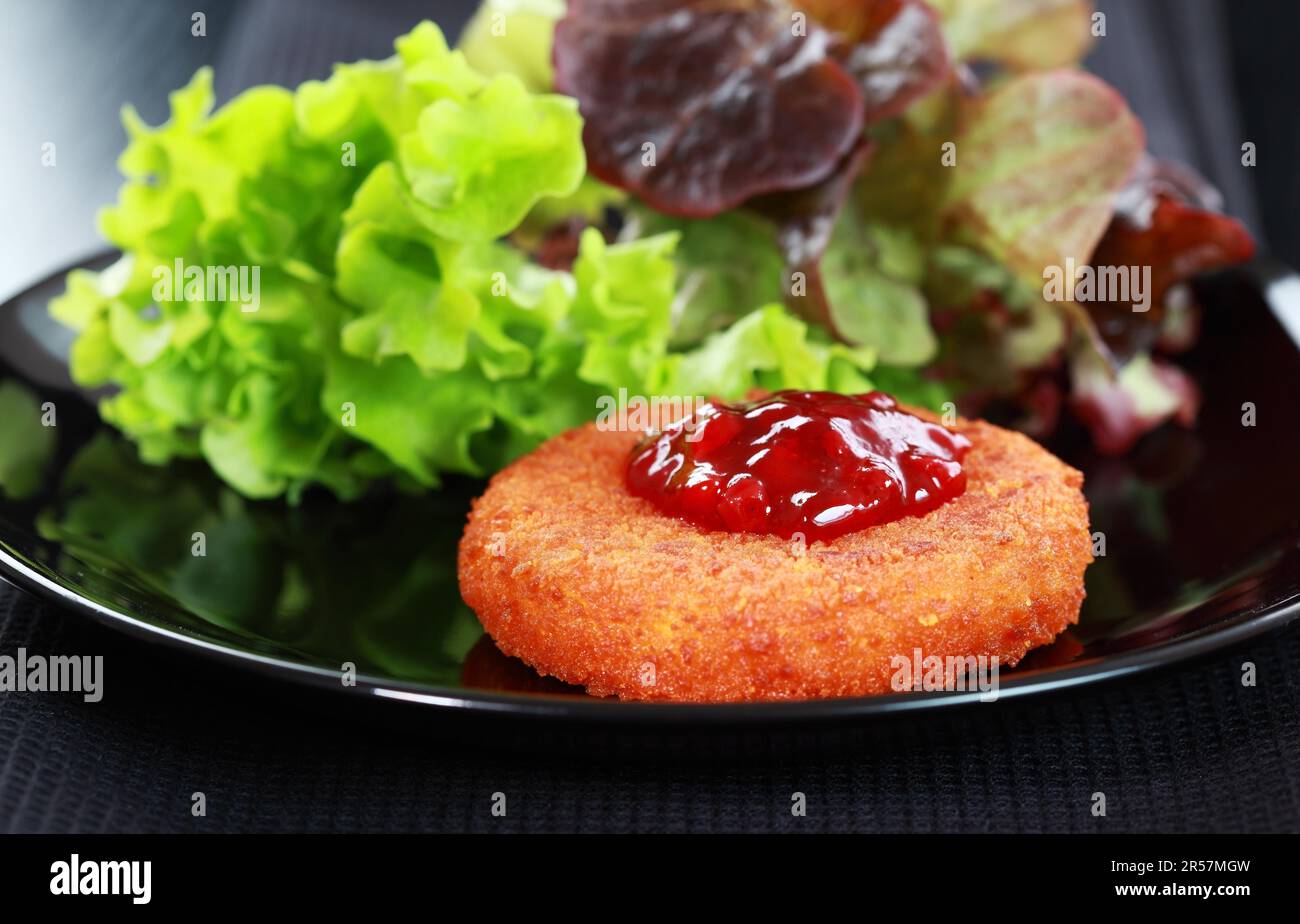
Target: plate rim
1239,627
558,706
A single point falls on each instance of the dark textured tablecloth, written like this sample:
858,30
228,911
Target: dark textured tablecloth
1188,748
1185,749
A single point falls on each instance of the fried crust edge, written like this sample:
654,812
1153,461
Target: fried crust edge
584,582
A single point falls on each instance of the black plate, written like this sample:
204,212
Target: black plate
1201,532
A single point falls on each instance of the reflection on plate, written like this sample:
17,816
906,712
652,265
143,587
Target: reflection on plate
1201,529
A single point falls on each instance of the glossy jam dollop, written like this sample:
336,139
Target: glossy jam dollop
815,463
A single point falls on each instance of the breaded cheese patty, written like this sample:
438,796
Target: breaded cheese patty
585,582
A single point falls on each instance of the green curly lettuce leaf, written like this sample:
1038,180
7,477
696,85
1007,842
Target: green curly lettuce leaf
480,165
374,323
513,37
727,266
367,203
769,349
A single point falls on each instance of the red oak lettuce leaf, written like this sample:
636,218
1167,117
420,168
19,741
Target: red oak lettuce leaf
1018,34
557,246
1119,408
856,278
734,102
894,48
1040,163
805,220
806,217
1164,221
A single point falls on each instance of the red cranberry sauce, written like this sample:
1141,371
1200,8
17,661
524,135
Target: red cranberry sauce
815,463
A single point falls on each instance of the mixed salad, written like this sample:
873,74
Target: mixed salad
459,251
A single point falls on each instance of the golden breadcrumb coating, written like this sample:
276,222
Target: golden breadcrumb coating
585,582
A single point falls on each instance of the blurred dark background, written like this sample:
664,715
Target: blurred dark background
1203,75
